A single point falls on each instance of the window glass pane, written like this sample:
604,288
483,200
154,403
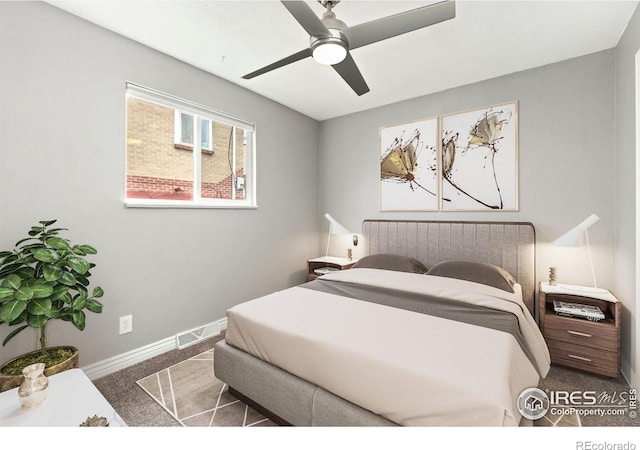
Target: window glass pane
156,169
223,171
186,135
168,166
205,134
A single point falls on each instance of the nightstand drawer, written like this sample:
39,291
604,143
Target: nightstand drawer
581,332
604,362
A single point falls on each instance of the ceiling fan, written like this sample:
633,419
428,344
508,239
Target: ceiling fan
331,40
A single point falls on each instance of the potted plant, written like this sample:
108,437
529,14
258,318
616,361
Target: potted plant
45,277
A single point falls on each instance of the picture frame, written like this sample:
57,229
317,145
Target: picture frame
478,163
408,176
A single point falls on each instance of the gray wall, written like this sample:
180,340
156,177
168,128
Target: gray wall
567,171
626,190
62,134
566,152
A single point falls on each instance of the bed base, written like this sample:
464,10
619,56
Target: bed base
283,397
261,409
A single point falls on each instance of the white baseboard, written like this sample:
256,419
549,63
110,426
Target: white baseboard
124,360
110,365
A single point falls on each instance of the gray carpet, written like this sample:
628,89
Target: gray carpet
138,409
131,402
564,379
191,393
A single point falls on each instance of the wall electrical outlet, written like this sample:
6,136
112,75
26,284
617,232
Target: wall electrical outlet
126,324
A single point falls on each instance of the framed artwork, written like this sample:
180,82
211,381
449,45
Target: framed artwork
408,166
479,159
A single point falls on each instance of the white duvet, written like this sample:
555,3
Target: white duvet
411,368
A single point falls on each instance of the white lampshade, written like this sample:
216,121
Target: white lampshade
329,53
335,227
578,236
575,237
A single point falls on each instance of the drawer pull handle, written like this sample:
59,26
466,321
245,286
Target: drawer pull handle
577,333
581,358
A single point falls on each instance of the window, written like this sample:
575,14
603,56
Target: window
181,154
184,131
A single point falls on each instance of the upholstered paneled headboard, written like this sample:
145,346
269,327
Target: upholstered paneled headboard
510,245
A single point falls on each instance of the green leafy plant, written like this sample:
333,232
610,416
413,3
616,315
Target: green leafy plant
44,278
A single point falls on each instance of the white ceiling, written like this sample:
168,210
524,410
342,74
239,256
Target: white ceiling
486,39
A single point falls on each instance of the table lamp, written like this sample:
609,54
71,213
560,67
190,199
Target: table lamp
578,236
334,228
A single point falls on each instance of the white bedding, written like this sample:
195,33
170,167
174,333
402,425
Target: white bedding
411,368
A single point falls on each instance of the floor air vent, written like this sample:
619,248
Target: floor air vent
195,335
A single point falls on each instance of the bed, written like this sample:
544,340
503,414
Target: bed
434,327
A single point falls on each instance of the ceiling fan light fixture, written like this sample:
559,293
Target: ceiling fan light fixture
330,49
329,52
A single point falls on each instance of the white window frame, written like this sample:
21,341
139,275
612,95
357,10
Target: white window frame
177,130
197,110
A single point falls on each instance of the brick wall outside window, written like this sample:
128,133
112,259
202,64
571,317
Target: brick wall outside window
157,168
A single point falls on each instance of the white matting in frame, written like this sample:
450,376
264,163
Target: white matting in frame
408,166
479,169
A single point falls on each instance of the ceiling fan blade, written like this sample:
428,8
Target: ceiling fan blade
350,73
306,17
397,24
302,54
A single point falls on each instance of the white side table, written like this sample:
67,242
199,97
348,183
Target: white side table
71,399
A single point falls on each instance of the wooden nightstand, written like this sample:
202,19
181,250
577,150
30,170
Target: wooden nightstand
580,343
327,261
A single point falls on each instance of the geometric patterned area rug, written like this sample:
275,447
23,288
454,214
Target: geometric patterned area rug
191,393
569,419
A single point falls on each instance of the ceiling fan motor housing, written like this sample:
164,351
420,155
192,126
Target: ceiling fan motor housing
336,40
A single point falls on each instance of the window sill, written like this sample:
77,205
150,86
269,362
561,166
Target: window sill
190,149
188,204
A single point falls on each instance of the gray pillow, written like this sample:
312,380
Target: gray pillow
483,273
387,261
